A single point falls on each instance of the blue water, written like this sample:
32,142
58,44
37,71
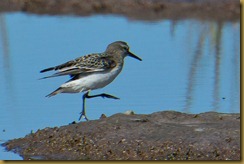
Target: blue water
189,66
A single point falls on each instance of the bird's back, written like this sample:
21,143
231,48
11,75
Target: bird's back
96,62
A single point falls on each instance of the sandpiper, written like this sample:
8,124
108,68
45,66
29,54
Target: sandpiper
91,72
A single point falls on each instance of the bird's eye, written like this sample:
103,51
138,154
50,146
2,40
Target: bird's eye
126,48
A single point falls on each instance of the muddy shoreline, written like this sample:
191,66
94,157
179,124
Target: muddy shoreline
166,135
149,10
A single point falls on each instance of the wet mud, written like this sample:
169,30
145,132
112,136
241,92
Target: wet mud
166,135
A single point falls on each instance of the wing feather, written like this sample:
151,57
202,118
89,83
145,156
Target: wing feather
83,65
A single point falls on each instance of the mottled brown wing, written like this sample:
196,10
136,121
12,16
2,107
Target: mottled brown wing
85,64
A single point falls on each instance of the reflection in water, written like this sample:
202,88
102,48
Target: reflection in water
214,32
193,69
235,65
4,38
6,54
216,89
173,25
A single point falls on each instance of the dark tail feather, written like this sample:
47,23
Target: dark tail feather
59,90
46,77
47,69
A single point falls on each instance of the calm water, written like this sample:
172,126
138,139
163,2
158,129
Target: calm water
189,66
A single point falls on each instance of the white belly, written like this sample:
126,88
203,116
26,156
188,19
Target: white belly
91,82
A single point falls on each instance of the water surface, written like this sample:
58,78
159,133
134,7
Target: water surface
188,66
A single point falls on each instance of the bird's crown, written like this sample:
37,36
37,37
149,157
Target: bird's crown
118,45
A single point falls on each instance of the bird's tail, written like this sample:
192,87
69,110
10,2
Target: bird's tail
57,91
47,69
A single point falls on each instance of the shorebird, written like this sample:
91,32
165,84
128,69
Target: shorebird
91,72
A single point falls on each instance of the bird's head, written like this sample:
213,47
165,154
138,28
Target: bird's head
121,48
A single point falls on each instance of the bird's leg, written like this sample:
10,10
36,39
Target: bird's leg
86,95
83,112
103,95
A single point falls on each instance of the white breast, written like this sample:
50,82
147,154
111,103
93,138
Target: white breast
92,81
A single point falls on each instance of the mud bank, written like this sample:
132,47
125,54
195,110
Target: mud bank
166,135
221,10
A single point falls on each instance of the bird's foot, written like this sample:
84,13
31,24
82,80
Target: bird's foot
83,115
108,96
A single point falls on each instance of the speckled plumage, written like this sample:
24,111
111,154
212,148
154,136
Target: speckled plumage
92,71
86,64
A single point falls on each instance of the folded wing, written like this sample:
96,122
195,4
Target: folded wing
83,65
